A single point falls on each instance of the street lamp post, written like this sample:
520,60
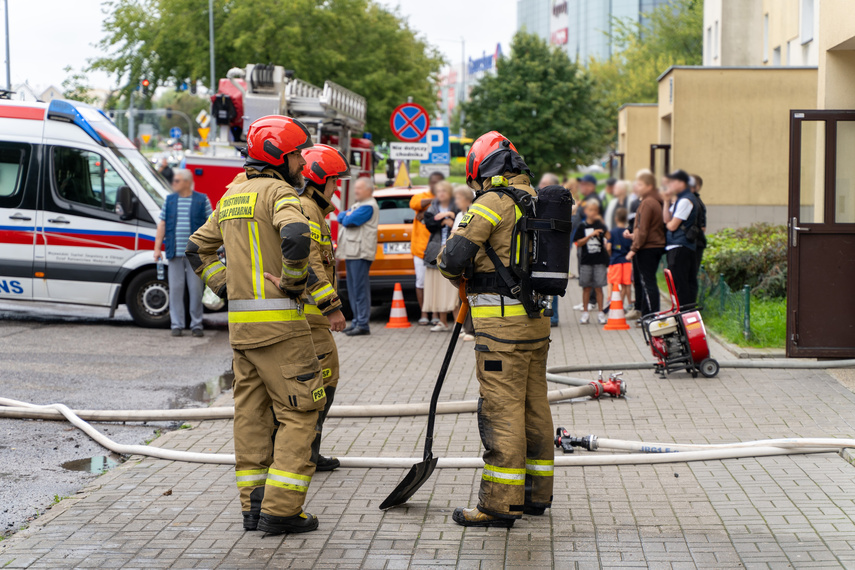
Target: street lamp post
8,57
210,39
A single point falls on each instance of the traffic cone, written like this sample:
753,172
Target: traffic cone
398,317
617,318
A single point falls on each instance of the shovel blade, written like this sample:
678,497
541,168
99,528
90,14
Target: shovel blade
419,473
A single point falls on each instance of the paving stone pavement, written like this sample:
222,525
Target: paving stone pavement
774,512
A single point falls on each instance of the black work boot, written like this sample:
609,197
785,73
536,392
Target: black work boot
271,524
533,510
250,517
327,463
474,517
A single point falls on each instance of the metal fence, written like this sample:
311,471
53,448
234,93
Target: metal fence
717,299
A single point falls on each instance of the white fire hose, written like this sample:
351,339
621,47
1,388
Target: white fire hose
705,453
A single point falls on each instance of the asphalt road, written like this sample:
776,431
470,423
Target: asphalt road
76,355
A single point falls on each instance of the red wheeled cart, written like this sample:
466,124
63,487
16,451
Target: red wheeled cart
678,339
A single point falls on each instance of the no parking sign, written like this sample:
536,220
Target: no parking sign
409,122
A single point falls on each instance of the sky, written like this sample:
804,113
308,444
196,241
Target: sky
48,35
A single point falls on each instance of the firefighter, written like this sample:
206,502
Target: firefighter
260,222
325,166
511,343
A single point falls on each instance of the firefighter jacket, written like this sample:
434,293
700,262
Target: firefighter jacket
501,322
321,287
261,224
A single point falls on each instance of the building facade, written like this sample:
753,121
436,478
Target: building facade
583,28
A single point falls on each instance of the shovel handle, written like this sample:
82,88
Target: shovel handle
464,303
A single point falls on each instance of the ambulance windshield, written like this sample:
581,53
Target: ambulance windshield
144,172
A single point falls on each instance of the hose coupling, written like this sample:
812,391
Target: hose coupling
563,440
588,442
614,386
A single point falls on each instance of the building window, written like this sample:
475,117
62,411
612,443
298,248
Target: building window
715,41
776,56
806,21
765,38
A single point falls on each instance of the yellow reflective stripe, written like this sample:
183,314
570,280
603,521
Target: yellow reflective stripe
257,267
251,477
323,292
486,212
295,273
286,200
517,213
212,270
312,310
504,475
317,235
518,249
488,312
265,316
286,480
540,467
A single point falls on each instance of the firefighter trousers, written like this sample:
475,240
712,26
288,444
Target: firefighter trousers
519,464
327,353
284,377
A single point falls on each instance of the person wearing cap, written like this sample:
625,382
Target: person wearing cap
260,223
608,191
680,214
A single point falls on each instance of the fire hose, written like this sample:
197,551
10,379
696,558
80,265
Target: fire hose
22,410
651,452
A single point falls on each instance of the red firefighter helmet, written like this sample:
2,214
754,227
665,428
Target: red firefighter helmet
323,161
271,138
490,155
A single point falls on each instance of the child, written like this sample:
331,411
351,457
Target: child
620,270
590,237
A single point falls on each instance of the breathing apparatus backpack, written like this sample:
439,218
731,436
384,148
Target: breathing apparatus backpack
540,246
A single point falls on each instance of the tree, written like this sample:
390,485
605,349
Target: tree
672,34
358,44
76,87
543,102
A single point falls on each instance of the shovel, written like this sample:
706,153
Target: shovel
421,472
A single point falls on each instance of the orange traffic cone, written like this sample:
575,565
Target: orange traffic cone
617,318
398,317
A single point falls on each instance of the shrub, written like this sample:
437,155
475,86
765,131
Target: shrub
755,256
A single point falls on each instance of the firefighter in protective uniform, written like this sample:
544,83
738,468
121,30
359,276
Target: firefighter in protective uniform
260,222
511,345
325,165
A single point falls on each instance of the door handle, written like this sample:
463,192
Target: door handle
19,216
794,231
59,220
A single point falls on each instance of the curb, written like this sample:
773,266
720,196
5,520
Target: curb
848,454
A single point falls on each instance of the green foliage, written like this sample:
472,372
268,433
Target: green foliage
755,256
544,103
768,324
358,44
186,103
75,86
672,34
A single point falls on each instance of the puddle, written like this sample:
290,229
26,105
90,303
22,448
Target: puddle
97,465
207,391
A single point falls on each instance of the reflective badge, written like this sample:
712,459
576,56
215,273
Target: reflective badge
464,221
238,206
499,182
327,373
319,394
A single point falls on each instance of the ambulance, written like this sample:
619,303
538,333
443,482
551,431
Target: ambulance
78,205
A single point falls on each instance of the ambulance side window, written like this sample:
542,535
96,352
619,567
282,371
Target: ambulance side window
14,158
86,178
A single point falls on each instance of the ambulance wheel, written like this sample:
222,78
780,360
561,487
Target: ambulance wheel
709,368
147,300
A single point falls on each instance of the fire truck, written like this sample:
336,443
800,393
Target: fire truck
333,114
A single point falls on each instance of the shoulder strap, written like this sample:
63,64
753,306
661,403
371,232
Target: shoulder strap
502,271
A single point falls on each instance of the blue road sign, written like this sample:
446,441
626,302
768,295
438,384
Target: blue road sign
175,133
440,146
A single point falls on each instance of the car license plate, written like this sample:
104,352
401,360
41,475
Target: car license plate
395,247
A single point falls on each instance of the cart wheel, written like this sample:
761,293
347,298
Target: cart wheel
709,367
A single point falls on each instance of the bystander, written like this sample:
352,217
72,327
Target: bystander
357,246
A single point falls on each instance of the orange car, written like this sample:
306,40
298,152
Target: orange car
394,262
